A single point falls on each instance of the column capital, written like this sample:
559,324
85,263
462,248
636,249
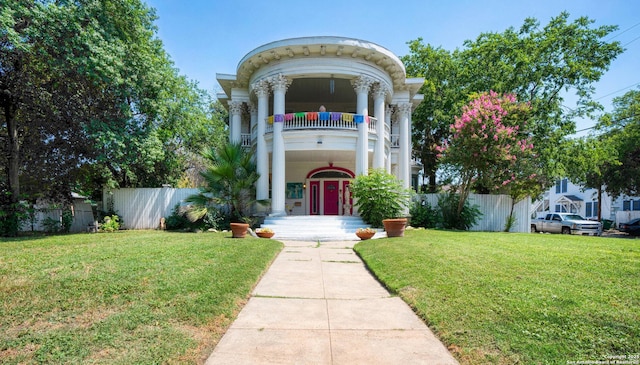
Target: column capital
261,88
362,83
253,108
280,82
235,107
380,90
405,107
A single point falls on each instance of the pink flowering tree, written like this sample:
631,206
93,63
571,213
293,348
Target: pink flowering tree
490,149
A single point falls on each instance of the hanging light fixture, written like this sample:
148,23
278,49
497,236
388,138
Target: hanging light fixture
332,85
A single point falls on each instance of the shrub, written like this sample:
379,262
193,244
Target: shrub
51,225
67,220
379,195
12,216
423,215
111,223
178,220
448,206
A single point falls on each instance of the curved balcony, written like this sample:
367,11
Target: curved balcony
321,120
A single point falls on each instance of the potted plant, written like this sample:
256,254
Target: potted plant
365,233
229,186
381,201
264,232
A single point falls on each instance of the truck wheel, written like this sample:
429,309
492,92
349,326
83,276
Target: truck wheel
566,230
533,229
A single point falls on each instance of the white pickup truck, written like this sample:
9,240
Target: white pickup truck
566,223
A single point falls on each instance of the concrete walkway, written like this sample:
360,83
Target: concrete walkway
318,304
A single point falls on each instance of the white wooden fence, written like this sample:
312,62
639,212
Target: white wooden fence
142,208
495,210
81,211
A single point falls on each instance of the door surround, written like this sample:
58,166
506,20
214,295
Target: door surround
321,184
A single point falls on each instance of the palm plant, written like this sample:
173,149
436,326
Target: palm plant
229,184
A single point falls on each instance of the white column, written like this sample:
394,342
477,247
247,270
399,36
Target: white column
279,84
404,158
261,88
361,86
387,121
235,111
253,117
379,94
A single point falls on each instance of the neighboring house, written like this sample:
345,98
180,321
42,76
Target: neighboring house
570,198
320,111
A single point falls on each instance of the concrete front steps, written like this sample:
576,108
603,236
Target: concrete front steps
315,227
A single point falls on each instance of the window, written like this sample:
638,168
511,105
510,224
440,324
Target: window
561,186
587,211
558,208
626,205
595,209
636,205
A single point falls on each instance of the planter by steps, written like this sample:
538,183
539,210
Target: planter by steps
395,226
239,230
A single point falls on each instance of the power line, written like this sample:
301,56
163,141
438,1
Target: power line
617,91
612,122
633,40
624,31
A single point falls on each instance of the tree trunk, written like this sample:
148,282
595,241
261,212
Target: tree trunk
599,203
13,153
433,187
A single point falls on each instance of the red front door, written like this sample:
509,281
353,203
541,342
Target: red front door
331,195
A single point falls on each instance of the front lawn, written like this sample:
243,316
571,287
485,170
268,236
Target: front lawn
123,298
505,298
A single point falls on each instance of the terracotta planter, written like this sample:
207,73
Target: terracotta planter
395,227
239,230
265,234
365,235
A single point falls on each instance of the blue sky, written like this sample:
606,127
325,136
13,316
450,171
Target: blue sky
205,37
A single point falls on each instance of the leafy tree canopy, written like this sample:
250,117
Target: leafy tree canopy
621,132
540,65
89,98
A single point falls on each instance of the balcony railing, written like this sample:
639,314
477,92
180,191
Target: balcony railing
395,141
245,139
315,120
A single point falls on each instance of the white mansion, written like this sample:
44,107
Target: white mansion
320,111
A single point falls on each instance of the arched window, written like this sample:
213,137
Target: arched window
331,174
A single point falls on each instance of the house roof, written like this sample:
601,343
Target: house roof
572,198
319,46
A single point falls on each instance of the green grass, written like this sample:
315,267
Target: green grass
123,298
500,298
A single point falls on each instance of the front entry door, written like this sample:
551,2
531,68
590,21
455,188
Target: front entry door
331,197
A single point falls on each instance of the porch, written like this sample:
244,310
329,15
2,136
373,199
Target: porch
320,121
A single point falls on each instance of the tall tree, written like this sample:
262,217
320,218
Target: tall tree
589,161
621,130
86,87
442,101
488,143
540,65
